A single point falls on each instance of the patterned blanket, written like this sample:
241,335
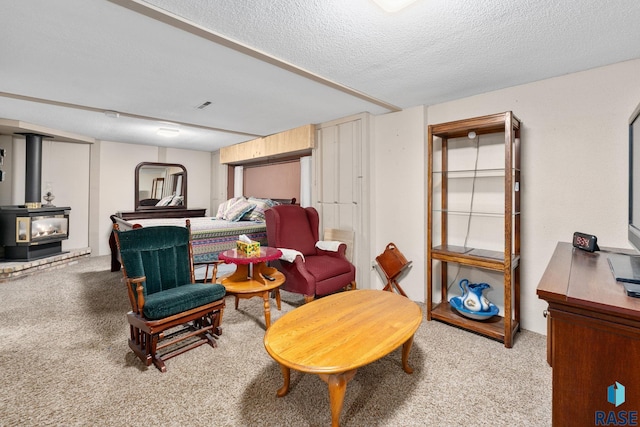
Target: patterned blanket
212,236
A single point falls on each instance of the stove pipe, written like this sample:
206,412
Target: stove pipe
33,170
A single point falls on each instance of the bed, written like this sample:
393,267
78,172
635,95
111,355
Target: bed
211,235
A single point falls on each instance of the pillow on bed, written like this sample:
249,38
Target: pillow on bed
225,205
257,214
165,201
237,210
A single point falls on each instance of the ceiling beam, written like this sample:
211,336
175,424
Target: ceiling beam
181,23
121,113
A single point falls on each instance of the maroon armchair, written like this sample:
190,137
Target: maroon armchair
321,272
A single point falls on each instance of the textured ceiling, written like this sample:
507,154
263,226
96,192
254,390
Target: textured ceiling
268,66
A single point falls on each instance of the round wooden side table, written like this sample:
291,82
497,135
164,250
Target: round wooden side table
253,277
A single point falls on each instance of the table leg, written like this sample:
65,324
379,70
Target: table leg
406,347
337,387
286,375
267,310
277,291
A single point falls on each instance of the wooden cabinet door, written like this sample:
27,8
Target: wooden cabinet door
592,355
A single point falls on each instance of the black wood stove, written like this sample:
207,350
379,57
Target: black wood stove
32,231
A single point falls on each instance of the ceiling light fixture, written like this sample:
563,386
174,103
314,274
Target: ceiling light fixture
112,114
393,5
168,132
471,135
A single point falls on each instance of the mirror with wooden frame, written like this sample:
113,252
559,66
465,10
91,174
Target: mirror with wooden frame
160,186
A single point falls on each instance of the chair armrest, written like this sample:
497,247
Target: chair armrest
340,252
290,255
329,245
137,299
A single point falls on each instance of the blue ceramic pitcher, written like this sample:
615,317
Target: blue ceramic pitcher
472,296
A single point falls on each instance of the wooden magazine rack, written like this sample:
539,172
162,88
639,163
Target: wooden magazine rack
392,262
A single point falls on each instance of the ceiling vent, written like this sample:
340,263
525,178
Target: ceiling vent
203,105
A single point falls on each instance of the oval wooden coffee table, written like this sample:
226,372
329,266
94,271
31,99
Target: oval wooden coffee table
335,335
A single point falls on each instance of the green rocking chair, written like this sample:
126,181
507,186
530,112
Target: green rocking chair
158,268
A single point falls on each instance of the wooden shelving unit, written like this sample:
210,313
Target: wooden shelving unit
500,204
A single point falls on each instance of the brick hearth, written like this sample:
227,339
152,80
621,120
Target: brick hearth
10,270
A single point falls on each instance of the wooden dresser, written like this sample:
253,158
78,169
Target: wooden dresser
593,339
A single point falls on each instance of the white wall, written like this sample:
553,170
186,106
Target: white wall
574,167
218,182
574,162
117,180
65,166
398,196
6,189
17,160
198,165
118,162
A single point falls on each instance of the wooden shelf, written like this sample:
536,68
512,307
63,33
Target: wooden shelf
505,182
492,328
492,260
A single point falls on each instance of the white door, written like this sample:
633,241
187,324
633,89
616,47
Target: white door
341,184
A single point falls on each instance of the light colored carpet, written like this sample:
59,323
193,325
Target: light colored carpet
65,361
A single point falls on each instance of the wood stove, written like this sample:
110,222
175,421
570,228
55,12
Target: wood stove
32,233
